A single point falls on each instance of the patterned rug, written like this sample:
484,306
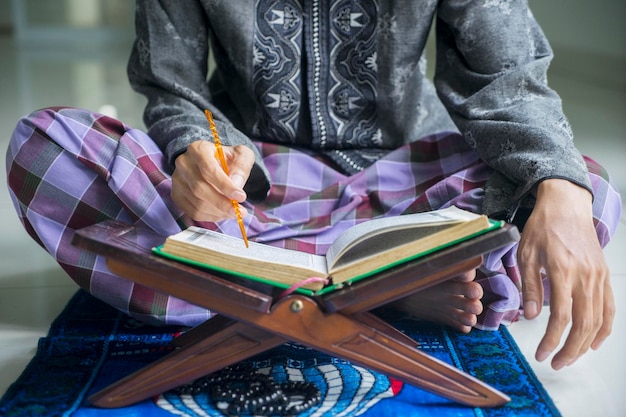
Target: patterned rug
91,345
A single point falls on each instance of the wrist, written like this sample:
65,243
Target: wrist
561,188
559,197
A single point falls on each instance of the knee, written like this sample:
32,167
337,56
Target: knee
40,134
28,140
37,140
29,128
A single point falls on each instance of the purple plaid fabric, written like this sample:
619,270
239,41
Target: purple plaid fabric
69,168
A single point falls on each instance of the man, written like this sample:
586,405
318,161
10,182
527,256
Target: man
328,120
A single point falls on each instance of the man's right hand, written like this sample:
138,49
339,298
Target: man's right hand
201,188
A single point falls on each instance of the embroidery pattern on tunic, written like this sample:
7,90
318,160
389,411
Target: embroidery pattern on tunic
352,94
342,89
277,76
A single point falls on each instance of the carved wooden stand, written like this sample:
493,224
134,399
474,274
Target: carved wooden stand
252,319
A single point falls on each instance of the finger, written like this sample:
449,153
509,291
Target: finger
240,161
598,316
201,208
229,182
208,166
532,285
585,324
592,298
560,316
608,316
196,197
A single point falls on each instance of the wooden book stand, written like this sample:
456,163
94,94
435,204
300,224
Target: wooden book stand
252,319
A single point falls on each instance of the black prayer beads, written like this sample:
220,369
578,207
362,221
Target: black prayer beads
238,391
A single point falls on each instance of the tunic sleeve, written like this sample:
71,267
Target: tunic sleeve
491,74
169,65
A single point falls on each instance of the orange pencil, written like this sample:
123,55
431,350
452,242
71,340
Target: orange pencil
220,157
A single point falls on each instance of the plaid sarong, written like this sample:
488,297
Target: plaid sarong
69,168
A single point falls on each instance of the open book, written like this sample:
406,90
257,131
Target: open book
361,251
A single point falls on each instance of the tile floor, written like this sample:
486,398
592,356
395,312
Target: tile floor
33,290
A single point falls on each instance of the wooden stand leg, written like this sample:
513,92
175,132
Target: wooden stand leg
373,346
235,342
208,328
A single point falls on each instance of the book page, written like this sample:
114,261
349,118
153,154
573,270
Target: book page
393,253
225,247
373,228
387,240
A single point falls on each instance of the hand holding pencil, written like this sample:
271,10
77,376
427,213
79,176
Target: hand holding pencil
200,186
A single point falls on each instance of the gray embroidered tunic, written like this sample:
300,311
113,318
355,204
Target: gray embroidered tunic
347,78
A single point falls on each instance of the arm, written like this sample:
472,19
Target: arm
491,75
168,65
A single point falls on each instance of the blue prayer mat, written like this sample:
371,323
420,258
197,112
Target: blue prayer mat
91,345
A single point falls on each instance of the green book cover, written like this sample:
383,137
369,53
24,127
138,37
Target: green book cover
332,286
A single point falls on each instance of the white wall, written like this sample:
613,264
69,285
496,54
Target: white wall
588,37
5,14
597,27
